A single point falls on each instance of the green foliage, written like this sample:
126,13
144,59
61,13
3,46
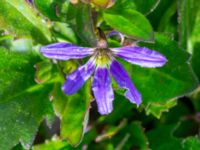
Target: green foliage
78,16
175,80
48,8
36,114
163,136
17,16
22,109
73,121
53,145
138,26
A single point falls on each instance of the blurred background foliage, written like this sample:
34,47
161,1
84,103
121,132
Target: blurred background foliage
35,114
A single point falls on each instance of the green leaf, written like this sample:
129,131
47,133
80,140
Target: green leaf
146,6
73,112
23,104
20,18
195,59
138,26
187,126
187,16
111,131
80,19
161,138
175,79
64,32
191,143
137,135
55,144
118,112
167,24
164,18
196,45
48,8
158,108
14,68
43,71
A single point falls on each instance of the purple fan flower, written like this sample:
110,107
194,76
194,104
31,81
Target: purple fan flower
103,64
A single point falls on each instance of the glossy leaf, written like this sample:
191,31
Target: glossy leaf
64,32
161,84
22,104
48,8
196,45
164,136
55,144
187,14
19,18
129,22
80,19
146,6
73,112
191,143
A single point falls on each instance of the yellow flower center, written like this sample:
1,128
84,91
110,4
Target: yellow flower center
103,56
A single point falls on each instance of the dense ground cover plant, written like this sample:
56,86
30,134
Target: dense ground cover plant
47,103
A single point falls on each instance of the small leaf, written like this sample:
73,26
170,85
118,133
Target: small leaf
157,109
43,71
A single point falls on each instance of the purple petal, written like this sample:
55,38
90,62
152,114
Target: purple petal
65,51
30,1
122,78
113,33
103,91
76,79
141,56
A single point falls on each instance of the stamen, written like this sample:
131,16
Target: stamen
103,56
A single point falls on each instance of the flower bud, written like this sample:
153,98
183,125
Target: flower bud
74,1
101,3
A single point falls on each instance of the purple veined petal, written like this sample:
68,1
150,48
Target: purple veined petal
116,33
122,78
30,1
103,91
65,51
76,79
141,56
113,33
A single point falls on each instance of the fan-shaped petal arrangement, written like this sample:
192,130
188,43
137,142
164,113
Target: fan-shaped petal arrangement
103,64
